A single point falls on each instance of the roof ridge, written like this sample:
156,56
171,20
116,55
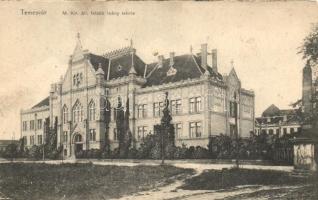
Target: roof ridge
118,52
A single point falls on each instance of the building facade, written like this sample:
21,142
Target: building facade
277,121
202,101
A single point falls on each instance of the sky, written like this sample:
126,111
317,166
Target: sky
262,39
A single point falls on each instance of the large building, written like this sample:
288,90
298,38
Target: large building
277,121
202,101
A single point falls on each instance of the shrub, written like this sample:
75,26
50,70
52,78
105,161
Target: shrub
36,152
11,151
180,152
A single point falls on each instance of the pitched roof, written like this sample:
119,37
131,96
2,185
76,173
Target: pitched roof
44,102
119,66
96,60
272,110
187,67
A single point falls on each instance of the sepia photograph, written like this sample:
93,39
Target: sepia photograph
163,100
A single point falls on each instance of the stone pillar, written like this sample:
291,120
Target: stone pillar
307,90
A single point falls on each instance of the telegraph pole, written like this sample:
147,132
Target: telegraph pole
236,131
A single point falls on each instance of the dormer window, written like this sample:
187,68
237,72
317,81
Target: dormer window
172,71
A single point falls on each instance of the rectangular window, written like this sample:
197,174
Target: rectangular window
39,123
195,129
285,130
233,111
161,107
292,130
91,111
175,106
92,134
157,109
192,105
32,140
39,139
271,131
115,134
25,140
198,104
32,125
277,131
24,125
115,114
65,138
233,130
142,113
195,104
142,132
178,130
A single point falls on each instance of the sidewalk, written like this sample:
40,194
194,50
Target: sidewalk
198,165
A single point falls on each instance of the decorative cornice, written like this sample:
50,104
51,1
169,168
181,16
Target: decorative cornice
170,85
79,89
125,80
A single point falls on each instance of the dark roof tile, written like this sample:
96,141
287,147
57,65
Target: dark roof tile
187,67
44,102
124,61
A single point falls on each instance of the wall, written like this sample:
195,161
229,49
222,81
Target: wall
34,114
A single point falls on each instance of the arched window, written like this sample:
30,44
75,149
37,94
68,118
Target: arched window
65,114
78,138
91,111
74,79
77,112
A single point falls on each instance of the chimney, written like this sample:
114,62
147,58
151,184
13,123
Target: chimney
160,60
214,60
171,58
204,55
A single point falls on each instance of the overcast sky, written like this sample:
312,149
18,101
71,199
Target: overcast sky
261,38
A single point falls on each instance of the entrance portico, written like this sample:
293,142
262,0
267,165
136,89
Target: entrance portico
77,144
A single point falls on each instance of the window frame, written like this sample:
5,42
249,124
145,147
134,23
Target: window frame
195,129
92,135
65,114
92,111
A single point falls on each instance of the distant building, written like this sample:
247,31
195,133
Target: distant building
5,143
202,101
277,121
